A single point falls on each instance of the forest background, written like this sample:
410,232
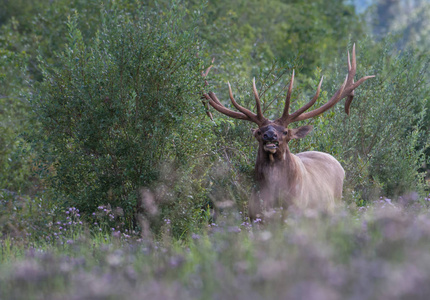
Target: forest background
101,115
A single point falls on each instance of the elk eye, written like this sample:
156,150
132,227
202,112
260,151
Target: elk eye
259,132
285,132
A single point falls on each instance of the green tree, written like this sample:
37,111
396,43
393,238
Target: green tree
15,154
113,110
256,32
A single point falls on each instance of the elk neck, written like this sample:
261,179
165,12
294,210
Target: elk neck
283,163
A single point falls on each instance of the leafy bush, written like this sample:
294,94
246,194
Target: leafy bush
381,144
15,156
25,218
26,27
118,106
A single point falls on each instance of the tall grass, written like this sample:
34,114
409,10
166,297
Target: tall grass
375,252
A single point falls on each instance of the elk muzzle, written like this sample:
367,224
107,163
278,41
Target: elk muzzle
270,141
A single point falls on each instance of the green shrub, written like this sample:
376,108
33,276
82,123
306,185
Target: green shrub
15,156
381,144
26,218
120,105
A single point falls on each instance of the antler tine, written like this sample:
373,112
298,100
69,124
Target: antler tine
242,109
214,102
349,62
286,112
352,67
257,101
205,73
244,113
336,97
350,90
205,104
346,90
215,98
351,70
309,104
348,102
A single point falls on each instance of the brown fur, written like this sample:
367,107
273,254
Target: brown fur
307,180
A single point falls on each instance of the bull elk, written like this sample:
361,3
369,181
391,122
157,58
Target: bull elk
309,179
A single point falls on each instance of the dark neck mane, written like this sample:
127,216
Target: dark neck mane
282,164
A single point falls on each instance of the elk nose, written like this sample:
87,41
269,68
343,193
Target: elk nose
270,136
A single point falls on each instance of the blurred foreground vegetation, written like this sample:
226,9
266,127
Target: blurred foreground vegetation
371,253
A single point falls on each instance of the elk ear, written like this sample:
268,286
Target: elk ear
300,132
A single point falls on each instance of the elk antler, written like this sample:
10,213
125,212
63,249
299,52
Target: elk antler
243,114
346,90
